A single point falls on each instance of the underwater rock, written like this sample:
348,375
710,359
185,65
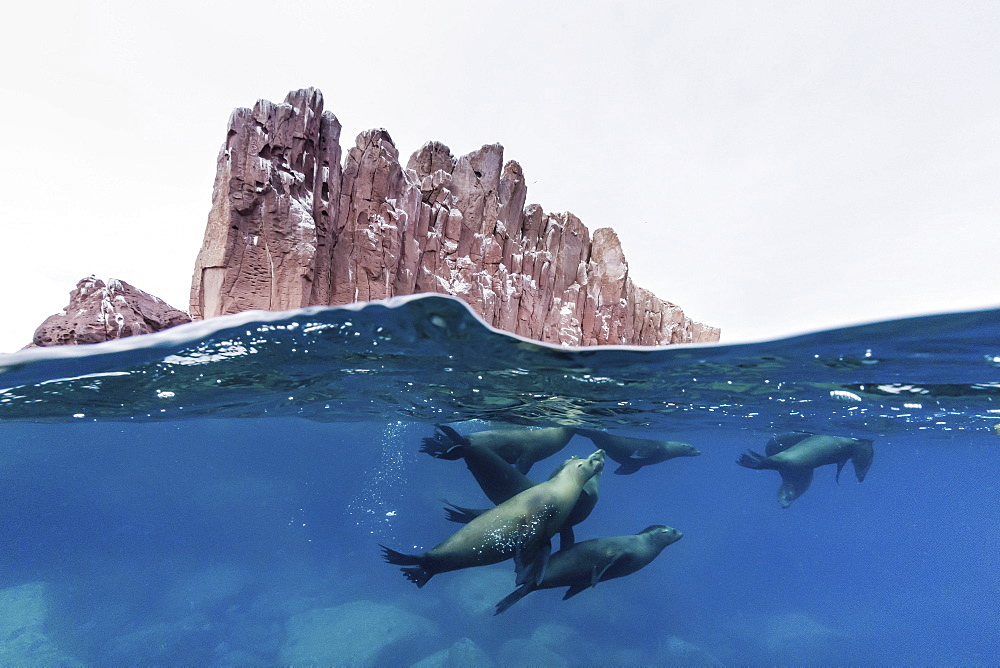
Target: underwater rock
237,657
474,592
552,635
607,655
525,653
185,640
357,633
796,632
462,654
292,226
679,652
528,652
24,611
541,648
99,311
207,589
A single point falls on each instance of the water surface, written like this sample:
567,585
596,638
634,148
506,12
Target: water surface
216,494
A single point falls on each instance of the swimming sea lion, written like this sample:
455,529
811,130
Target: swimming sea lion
497,478
592,561
634,453
500,481
520,527
795,454
520,447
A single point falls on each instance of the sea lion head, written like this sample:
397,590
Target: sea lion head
591,485
787,493
662,535
864,453
683,449
794,483
584,468
591,466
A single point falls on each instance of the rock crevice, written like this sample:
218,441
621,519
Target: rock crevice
293,225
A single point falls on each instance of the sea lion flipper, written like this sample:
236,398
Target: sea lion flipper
862,459
597,574
574,590
782,442
628,468
440,449
398,558
446,443
566,538
460,514
840,467
755,460
529,565
512,598
418,575
415,571
523,464
453,435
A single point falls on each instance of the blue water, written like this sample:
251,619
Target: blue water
216,494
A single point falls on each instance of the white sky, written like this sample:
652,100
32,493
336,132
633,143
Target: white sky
772,167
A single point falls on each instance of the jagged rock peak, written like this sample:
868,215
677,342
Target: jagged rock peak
101,311
431,157
292,225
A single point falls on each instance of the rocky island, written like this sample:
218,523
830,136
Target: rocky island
295,223
101,311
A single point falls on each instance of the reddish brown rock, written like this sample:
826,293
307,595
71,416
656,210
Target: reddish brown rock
100,311
291,227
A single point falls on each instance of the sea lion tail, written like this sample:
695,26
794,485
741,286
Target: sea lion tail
416,573
512,598
459,514
755,460
444,444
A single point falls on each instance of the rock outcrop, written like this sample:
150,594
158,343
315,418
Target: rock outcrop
293,225
361,633
462,654
100,311
24,641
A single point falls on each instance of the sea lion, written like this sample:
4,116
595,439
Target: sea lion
521,527
500,481
795,454
520,447
497,478
634,453
592,561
